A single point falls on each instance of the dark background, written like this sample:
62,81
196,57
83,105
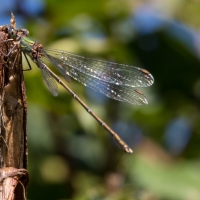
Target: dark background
70,155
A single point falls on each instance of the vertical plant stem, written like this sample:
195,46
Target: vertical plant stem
13,114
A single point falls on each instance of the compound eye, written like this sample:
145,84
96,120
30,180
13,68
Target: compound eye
12,33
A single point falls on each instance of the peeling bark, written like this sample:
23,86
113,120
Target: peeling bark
13,114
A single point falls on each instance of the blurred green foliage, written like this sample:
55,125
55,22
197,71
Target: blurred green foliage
70,155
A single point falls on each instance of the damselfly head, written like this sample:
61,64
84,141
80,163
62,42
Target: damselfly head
12,33
17,33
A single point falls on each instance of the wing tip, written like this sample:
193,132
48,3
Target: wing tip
148,76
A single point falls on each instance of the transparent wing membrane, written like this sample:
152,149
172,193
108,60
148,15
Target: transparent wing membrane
115,83
118,92
48,79
110,72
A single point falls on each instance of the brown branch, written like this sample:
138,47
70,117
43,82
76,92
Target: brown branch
13,111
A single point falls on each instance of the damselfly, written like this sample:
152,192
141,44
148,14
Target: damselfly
116,81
